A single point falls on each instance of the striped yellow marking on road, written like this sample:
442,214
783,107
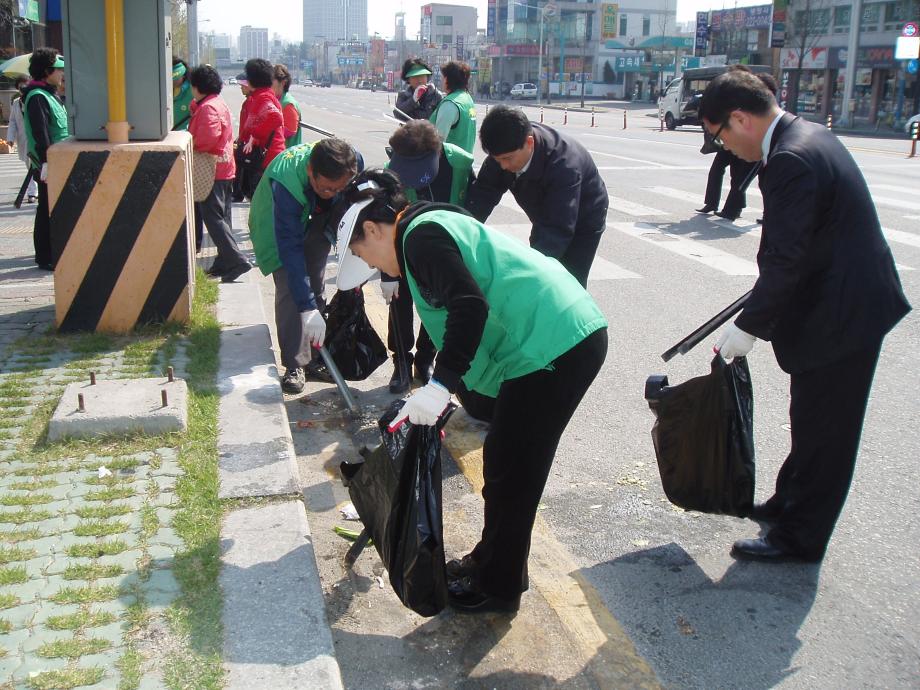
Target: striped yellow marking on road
147,256
87,234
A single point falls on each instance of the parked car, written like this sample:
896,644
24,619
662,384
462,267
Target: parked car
325,82
232,81
525,90
307,82
680,102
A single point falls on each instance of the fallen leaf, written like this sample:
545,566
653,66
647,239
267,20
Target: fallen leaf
305,424
684,627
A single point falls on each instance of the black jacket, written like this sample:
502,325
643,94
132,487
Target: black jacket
561,192
828,285
417,111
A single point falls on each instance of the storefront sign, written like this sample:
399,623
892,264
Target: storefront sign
788,94
490,18
629,63
879,57
907,48
759,17
28,9
609,13
778,35
702,33
816,58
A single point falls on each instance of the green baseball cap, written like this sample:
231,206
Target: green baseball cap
178,70
59,63
418,71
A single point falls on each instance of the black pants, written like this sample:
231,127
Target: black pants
199,226
41,230
579,255
740,171
531,412
826,413
401,333
217,215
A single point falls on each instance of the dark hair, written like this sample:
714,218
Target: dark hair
259,73
282,75
415,138
456,75
504,129
206,79
21,82
769,81
41,64
388,201
734,90
333,158
409,64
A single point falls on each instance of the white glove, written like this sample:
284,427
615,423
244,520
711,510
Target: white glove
43,173
390,290
314,328
420,93
734,343
424,406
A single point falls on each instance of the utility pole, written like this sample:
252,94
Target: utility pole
193,60
852,48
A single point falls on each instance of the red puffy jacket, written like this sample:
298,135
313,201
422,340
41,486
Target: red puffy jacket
264,123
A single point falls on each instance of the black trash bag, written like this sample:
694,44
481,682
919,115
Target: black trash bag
397,493
704,438
351,340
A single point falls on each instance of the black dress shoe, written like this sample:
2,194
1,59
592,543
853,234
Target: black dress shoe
706,209
464,595
728,216
764,512
762,549
401,380
464,567
231,274
423,371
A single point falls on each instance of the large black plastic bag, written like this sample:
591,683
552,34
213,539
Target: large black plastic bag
397,493
704,438
355,347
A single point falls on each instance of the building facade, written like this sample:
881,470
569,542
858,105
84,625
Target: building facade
447,32
334,20
253,43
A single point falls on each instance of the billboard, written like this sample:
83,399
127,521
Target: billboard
702,33
609,20
490,18
759,17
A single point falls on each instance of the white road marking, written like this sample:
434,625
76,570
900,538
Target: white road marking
901,237
894,203
627,158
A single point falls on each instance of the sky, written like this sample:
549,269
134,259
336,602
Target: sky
286,16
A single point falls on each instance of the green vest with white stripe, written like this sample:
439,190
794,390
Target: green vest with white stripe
57,122
463,133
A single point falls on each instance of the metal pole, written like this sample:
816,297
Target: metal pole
192,34
117,126
540,65
852,48
339,381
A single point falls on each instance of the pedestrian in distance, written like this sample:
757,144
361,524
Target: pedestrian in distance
263,136
45,122
288,226
554,180
508,322
826,295
290,108
212,133
17,134
740,172
429,171
420,98
241,183
455,115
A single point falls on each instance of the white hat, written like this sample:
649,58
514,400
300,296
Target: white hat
353,271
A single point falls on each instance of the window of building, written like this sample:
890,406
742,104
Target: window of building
895,15
646,25
622,25
871,15
444,20
842,19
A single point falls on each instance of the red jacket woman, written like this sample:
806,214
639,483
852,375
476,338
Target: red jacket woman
212,132
264,126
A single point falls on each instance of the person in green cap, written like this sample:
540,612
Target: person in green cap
182,95
420,98
455,115
509,323
45,124
290,108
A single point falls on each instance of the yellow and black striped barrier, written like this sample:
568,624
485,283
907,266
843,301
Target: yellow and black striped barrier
120,219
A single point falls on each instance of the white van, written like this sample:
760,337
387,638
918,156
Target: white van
680,103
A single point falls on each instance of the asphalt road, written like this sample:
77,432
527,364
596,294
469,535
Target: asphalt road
701,619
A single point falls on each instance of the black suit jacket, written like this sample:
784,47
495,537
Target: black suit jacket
561,192
828,285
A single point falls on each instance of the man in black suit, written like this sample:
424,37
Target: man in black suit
827,294
554,180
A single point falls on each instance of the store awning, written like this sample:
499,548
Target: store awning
667,42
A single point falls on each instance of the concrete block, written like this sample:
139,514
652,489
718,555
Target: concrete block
120,407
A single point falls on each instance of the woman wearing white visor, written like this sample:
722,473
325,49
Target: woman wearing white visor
509,323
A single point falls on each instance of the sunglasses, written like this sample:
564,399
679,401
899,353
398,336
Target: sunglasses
717,137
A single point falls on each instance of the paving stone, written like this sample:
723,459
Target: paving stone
161,556
10,663
27,591
106,660
166,499
113,632
165,516
47,609
42,635
126,559
36,664
38,567
167,536
54,584
15,640
151,682
116,607
20,616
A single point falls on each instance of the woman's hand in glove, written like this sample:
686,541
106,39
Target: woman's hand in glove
424,406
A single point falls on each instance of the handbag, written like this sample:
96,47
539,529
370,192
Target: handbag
204,168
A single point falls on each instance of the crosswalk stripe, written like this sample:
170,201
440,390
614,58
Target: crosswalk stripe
631,208
628,158
901,237
892,202
690,249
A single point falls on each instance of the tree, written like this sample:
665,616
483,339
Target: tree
609,75
179,18
808,25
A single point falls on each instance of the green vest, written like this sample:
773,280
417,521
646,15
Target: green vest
57,123
289,168
461,163
181,107
537,310
294,139
463,133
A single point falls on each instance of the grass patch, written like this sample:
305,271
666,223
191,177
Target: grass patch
21,517
137,616
150,523
129,665
8,601
110,494
92,572
14,575
99,528
73,649
85,595
14,388
66,679
14,553
80,619
25,499
10,423
33,486
103,512
16,536
96,549
5,626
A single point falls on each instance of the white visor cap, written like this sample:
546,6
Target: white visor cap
353,271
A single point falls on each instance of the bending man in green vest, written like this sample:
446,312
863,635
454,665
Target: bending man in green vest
508,322
287,225
45,124
455,116
430,171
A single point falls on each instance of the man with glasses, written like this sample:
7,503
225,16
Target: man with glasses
827,294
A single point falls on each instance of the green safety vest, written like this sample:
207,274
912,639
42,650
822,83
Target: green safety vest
296,138
461,163
463,133
57,123
290,169
182,113
537,310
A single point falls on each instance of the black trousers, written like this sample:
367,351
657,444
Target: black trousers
579,255
401,332
739,171
41,230
217,215
826,414
531,412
